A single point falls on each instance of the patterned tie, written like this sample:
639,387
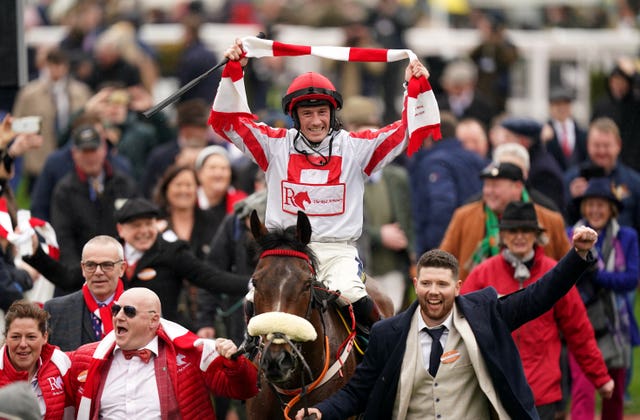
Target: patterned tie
143,354
96,323
436,349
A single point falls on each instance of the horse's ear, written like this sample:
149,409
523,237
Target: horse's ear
257,228
303,230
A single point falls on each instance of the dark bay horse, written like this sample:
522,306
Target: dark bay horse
306,352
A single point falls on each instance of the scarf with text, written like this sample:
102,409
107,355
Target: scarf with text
422,113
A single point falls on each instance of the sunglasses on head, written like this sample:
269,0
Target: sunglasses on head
129,311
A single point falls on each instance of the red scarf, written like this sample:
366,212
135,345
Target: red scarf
104,313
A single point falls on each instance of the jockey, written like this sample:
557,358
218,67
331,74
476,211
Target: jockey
318,168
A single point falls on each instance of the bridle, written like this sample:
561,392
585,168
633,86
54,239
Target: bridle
320,299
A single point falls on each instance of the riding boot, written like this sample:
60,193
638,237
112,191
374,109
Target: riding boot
250,344
366,313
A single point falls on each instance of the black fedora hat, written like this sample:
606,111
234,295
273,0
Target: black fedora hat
600,187
520,215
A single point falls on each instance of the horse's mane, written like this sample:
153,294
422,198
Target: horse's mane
286,239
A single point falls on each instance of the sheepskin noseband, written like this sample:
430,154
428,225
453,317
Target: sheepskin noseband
294,327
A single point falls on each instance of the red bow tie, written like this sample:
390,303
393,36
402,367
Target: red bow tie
143,354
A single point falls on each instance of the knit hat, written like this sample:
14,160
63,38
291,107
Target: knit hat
208,151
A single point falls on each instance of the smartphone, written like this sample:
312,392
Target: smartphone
590,170
28,125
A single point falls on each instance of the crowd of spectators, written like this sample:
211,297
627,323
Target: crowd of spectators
98,150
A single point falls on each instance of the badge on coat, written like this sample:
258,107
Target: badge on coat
147,274
450,356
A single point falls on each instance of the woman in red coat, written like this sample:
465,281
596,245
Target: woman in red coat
522,262
26,356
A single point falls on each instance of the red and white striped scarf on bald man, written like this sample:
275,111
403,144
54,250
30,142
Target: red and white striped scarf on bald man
422,114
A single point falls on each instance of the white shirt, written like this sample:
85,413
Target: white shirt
425,338
37,391
565,129
131,255
130,391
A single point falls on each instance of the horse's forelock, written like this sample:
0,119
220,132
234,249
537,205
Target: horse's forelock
286,239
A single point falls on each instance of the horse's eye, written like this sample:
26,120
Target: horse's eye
253,282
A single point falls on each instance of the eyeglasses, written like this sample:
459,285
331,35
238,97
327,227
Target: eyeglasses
129,311
105,266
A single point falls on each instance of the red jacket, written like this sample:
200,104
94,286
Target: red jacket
193,375
51,378
539,340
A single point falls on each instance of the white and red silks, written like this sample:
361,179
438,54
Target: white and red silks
422,116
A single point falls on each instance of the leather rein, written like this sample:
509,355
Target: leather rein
321,304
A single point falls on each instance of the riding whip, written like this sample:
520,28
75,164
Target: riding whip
177,94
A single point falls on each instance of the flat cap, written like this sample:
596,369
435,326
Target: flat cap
523,126
136,208
561,94
502,170
256,201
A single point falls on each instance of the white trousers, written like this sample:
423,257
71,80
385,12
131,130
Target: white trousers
339,267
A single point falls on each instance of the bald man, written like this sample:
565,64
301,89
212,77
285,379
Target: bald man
148,367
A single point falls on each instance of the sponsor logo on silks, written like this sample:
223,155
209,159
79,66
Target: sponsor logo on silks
450,356
56,384
147,274
313,199
82,376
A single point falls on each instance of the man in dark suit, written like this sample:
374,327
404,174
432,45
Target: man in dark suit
151,261
450,355
545,174
85,316
565,140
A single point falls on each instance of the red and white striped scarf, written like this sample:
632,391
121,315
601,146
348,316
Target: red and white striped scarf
422,113
168,331
46,233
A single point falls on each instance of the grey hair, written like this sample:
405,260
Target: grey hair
105,240
506,152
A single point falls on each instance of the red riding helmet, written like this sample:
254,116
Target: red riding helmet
310,89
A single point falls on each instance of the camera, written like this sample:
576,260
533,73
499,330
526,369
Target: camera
26,125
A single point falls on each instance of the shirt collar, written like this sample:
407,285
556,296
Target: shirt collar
448,322
106,301
131,255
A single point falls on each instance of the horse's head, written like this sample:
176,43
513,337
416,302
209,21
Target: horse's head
283,281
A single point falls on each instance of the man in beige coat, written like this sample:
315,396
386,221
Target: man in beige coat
472,235
54,97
